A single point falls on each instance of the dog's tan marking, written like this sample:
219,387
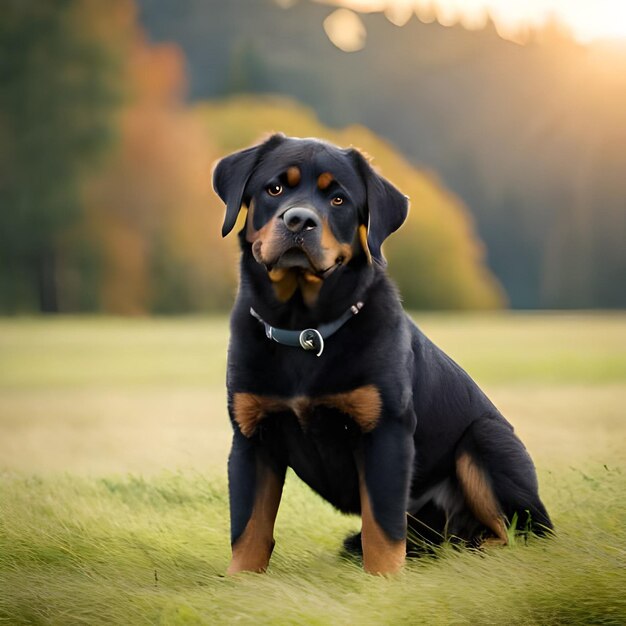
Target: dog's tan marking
381,555
252,550
363,241
480,498
311,278
284,282
310,285
332,248
363,405
324,180
249,409
302,407
251,234
257,237
293,176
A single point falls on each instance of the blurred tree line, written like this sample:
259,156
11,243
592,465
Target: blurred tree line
532,137
105,200
60,63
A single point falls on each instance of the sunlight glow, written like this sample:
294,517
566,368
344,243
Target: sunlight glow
586,20
346,30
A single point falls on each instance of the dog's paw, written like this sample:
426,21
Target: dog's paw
352,545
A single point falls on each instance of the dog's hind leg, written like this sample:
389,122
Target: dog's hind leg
480,498
498,479
255,488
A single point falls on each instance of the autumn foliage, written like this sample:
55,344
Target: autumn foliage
147,211
145,235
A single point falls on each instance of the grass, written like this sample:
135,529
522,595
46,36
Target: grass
114,509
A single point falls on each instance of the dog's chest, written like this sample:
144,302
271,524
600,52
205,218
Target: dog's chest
362,405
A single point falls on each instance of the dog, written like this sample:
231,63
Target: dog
329,376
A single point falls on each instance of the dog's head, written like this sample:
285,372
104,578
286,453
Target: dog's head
312,207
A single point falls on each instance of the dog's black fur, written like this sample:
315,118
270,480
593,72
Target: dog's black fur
438,449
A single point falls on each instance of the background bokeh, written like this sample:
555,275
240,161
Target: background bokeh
112,114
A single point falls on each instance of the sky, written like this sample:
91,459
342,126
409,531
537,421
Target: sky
587,20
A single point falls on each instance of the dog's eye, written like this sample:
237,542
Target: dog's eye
337,201
275,190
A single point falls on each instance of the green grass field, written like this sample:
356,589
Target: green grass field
114,509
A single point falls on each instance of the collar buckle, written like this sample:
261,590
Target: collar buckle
311,339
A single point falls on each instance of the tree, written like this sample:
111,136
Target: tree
60,64
147,211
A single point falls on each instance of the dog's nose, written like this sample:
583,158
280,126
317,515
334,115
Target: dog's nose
298,219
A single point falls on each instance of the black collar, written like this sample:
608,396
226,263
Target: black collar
309,338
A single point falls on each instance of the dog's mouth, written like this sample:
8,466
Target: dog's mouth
294,257
297,258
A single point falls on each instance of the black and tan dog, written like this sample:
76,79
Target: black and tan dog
329,376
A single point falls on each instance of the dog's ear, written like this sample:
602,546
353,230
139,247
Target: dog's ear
231,176
386,207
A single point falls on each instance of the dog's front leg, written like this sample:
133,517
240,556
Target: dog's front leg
385,463
255,489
